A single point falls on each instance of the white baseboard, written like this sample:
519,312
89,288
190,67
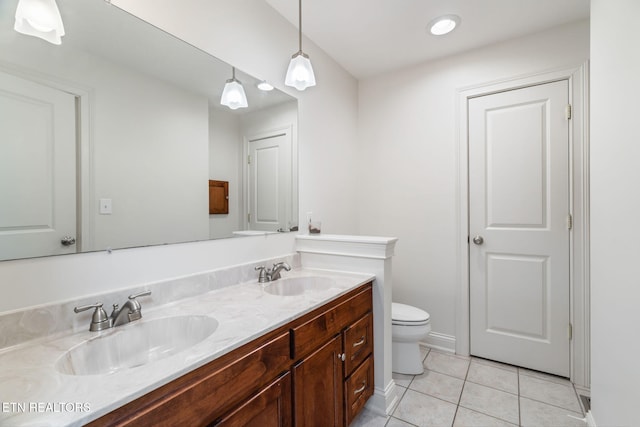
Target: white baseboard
383,402
441,342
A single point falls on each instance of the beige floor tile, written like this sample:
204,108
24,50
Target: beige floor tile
394,422
438,385
447,364
422,410
468,418
536,414
561,395
424,351
494,364
490,401
493,377
402,379
543,376
368,418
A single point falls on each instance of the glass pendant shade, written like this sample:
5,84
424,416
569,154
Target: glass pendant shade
300,72
40,18
233,95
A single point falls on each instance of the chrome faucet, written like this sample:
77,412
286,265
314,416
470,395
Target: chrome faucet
269,275
130,311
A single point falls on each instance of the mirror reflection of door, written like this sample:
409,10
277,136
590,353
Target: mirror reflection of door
37,169
269,178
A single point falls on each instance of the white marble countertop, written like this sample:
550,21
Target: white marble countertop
34,393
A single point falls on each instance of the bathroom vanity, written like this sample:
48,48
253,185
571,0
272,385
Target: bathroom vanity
295,351
314,370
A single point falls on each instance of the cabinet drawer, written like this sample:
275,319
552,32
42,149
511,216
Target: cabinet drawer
270,407
358,388
311,334
203,395
358,342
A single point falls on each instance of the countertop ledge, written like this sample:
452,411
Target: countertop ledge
34,393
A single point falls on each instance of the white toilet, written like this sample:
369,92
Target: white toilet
408,326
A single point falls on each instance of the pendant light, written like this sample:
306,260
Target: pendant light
233,95
300,72
40,18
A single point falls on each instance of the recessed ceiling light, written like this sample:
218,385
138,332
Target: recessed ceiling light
264,85
443,25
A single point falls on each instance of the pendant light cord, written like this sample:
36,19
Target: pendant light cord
300,23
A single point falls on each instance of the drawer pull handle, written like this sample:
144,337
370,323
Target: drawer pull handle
362,341
361,389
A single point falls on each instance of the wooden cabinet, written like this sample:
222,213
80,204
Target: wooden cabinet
358,352
314,371
270,407
317,381
344,335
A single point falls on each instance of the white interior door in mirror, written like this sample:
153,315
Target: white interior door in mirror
269,179
37,169
519,246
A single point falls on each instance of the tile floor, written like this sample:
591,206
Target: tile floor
467,391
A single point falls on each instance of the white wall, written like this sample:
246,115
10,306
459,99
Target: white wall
409,167
256,39
615,204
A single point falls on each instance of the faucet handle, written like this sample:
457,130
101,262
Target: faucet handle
262,277
99,320
140,294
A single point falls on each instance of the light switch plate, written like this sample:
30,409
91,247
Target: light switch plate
105,207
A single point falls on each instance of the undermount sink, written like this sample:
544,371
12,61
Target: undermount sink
136,344
291,286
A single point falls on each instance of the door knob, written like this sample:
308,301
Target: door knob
68,241
478,240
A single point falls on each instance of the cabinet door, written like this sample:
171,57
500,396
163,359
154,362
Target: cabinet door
318,387
270,407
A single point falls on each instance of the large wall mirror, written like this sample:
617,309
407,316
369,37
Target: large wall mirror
112,138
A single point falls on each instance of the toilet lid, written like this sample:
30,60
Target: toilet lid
402,314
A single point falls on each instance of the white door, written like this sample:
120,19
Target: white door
37,169
518,225
269,181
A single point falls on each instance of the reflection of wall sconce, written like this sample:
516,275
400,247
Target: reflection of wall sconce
40,18
233,95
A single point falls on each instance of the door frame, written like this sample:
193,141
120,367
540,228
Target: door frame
579,297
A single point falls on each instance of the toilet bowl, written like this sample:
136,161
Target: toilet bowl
409,325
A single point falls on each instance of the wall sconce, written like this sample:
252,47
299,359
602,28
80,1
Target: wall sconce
233,95
40,18
300,72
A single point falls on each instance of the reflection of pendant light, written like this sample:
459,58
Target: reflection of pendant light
39,18
233,95
300,73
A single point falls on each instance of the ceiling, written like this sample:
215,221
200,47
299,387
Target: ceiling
369,37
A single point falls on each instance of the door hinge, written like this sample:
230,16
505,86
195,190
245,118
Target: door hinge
249,159
570,331
569,221
568,112
248,217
